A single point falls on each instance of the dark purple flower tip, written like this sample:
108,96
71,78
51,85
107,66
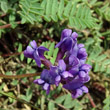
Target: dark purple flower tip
33,44
77,93
66,33
66,44
68,40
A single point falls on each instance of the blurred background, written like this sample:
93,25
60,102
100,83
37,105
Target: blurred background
22,21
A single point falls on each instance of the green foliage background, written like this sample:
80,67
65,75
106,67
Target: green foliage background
43,20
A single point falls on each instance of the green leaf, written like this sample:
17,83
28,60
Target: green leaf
29,60
51,106
68,103
20,47
29,93
42,102
49,7
22,57
51,49
67,8
73,10
60,9
4,6
54,10
60,99
15,82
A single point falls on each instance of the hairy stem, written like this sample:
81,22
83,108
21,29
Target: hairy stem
91,100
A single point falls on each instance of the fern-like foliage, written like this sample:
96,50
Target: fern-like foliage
104,11
106,103
31,10
77,15
99,60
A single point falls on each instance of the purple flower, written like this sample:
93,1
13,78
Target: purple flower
59,72
35,52
68,40
45,80
76,87
71,69
78,92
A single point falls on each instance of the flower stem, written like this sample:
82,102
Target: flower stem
19,76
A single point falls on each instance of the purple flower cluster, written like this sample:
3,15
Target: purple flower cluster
70,70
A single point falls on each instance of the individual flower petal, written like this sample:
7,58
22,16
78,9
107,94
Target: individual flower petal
73,61
26,54
65,74
77,93
85,67
84,89
82,61
58,78
40,81
29,50
43,48
62,65
33,44
37,58
80,46
82,74
66,33
74,35
66,44
82,53
74,70
46,86
74,84
59,44
85,79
